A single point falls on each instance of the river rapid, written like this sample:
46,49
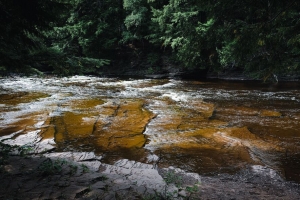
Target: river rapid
208,127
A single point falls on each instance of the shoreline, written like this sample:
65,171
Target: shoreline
82,176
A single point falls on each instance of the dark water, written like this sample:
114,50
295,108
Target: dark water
207,127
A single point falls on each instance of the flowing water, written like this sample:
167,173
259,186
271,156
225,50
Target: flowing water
208,127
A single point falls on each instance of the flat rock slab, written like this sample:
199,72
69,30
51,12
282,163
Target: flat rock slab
132,180
129,164
149,178
75,156
26,176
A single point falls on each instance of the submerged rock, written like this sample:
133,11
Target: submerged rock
111,125
269,113
123,126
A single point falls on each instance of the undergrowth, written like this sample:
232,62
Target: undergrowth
173,178
58,166
6,150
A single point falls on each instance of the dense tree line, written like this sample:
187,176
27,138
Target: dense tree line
259,37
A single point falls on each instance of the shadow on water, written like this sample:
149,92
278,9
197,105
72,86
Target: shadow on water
291,167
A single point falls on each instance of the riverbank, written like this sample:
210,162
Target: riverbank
83,176
169,70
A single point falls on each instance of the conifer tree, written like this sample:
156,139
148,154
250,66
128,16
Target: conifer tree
21,32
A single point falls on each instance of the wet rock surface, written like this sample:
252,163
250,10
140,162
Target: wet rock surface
124,126
203,127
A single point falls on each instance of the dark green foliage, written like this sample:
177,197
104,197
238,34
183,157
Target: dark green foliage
136,20
6,150
175,26
51,167
260,38
172,178
81,44
22,23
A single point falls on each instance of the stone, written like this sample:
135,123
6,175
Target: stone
125,163
139,189
144,175
84,156
74,191
86,178
182,193
92,165
152,158
195,176
118,187
46,193
140,165
269,113
45,145
94,194
186,178
124,127
120,181
109,196
62,184
98,185
78,123
74,156
148,178
111,169
172,190
128,164
30,138
265,171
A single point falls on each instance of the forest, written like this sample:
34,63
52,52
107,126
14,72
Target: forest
260,38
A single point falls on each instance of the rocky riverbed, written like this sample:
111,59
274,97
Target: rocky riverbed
72,175
111,138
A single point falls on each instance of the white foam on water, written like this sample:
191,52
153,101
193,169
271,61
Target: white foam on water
179,97
39,124
82,78
157,140
10,117
89,119
171,84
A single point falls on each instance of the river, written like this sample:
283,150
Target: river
208,126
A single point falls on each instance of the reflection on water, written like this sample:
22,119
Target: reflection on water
201,126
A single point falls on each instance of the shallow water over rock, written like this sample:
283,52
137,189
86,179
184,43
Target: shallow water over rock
207,127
